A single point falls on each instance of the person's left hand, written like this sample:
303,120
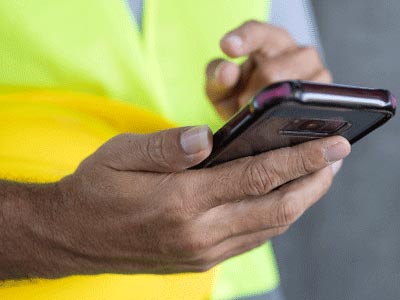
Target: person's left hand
273,56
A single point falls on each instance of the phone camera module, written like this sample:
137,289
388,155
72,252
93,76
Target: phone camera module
314,127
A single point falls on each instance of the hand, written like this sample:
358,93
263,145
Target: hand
272,56
133,207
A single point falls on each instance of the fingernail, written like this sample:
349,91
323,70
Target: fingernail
196,139
336,166
234,41
336,152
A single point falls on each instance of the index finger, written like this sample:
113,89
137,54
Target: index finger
258,175
254,36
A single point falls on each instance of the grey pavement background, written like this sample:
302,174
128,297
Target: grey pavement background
348,245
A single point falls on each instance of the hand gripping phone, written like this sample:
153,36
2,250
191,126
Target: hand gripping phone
294,112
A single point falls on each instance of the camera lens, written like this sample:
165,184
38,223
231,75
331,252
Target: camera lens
310,127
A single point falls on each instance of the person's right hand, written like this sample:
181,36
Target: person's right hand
133,207
272,55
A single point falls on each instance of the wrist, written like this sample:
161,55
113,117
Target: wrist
27,236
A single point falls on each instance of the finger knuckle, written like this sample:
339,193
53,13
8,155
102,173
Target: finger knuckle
192,245
191,204
175,214
306,164
178,210
308,161
154,150
288,211
259,178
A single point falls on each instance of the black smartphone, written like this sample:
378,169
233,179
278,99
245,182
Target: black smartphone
294,112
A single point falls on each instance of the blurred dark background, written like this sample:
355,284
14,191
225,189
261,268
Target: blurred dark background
348,245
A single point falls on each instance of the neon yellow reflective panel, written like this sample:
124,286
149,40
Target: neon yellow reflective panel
92,47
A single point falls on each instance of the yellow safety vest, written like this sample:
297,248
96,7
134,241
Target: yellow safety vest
75,73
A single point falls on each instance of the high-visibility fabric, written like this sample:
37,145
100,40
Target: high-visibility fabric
92,47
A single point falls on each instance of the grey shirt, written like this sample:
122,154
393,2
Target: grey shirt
136,7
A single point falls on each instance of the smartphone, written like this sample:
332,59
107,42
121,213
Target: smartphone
293,112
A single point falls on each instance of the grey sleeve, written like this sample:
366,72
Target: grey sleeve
297,16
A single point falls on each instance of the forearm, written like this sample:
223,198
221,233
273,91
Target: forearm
24,230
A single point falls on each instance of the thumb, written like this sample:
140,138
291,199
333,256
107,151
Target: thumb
165,151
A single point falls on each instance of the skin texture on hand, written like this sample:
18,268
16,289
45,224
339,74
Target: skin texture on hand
272,56
134,207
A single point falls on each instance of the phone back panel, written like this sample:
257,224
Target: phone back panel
289,114
266,133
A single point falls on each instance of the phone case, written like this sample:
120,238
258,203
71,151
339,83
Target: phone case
294,112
